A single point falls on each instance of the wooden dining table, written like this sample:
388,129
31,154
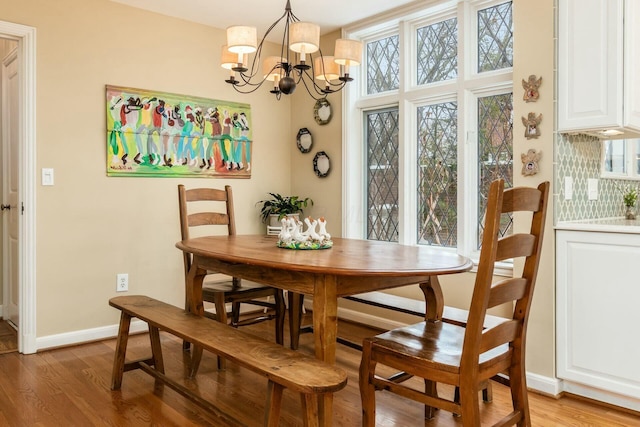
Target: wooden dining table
350,267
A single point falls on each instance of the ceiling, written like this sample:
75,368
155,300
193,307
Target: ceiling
329,14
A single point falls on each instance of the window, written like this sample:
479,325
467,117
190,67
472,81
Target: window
430,124
621,158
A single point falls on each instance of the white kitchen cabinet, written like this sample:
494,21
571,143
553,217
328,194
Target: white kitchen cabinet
598,66
598,315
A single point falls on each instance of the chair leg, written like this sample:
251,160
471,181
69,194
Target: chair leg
487,393
235,313
221,316
519,396
280,313
295,317
367,389
470,406
431,390
273,405
121,350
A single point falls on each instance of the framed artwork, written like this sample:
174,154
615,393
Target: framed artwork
159,134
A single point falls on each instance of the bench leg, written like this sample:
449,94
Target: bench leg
156,349
310,412
196,357
274,403
121,350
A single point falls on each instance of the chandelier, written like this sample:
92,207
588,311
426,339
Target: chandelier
300,60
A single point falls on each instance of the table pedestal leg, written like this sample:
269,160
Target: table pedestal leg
433,298
325,332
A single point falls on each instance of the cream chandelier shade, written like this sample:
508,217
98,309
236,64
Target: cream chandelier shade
300,59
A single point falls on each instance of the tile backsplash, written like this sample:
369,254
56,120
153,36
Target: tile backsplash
578,156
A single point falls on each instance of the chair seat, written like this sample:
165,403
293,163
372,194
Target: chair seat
438,345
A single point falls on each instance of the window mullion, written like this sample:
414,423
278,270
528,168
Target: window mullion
467,136
407,140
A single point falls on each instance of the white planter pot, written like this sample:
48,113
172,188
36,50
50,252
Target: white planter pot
274,222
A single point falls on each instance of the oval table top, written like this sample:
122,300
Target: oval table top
347,257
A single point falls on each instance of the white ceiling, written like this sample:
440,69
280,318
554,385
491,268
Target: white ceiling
329,14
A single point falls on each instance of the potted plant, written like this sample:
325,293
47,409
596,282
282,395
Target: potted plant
278,206
629,198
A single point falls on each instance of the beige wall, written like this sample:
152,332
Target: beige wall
326,192
534,54
91,227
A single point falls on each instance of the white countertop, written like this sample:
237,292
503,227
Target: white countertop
605,225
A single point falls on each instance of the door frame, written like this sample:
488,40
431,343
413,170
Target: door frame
26,38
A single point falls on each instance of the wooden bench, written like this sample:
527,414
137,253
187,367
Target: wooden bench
284,368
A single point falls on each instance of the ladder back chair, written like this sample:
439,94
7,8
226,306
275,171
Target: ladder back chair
467,356
213,208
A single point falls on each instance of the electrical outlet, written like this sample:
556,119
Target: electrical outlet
122,282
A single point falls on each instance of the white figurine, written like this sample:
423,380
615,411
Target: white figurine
323,229
311,228
285,232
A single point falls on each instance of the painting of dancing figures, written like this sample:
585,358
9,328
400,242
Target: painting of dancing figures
152,133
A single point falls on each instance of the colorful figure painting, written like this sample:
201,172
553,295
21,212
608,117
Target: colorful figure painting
167,135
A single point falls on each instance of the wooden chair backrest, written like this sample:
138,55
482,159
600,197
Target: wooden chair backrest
515,290
219,205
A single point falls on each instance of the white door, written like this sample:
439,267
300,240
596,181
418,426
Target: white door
10,179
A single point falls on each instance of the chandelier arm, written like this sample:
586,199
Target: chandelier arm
313,94
238,88
319,90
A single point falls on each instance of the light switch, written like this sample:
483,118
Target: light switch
568,188
592,188
47,176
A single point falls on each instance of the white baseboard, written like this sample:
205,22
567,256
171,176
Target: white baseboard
86,335
601,395
95,334
546,385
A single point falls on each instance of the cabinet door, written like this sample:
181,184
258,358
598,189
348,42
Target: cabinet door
590,64
598,291
632,64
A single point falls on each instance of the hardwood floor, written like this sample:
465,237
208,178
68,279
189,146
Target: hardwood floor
8,338
70,387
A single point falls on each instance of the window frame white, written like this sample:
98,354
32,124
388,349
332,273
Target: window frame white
630,153
464,90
